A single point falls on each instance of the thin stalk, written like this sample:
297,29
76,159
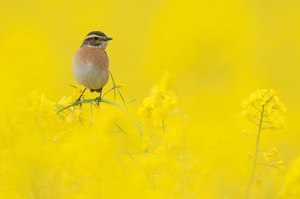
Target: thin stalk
114,85
107,102
163,126
253,172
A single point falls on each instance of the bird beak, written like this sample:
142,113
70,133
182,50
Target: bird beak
108,38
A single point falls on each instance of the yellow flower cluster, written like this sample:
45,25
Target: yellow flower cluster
162,103
273,153
263,106
273,158
43,115
264,109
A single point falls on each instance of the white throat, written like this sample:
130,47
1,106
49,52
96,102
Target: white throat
102,45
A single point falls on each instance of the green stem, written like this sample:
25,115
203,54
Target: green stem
255,153
114,85
107,102
163,126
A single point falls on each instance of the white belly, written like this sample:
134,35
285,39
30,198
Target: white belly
89,75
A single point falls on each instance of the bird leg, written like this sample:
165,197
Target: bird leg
100,96
79,98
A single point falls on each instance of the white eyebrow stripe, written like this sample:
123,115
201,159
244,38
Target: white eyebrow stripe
92,36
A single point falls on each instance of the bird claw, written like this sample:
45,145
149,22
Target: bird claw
98,99
78,101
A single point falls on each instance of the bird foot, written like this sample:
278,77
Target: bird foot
98,99
77,101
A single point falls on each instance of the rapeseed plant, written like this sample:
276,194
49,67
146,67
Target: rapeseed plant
265,111
162,102
77,151
215,52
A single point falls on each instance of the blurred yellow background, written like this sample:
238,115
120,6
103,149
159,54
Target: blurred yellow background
217,54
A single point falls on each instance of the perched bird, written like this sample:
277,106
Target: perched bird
90,63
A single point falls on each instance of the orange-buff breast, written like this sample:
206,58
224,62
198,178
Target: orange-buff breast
90,67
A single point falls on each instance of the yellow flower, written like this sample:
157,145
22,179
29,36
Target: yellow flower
278,164
39,106
77,91
120,85
64,101
273,153
160,104
264,106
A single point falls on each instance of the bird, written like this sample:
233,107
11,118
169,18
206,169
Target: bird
90,63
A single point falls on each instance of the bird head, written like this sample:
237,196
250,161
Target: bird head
96,39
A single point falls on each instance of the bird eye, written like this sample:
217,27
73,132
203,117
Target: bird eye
96,38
